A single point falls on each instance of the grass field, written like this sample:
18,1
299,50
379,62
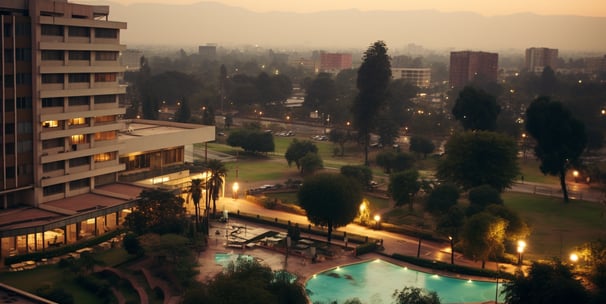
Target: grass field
557,228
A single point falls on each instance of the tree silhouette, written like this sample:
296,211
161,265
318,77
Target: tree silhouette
560,138
373,80
476,110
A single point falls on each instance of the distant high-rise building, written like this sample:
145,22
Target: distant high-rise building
208,51
539,58
334,62
595,64
421,77
466,66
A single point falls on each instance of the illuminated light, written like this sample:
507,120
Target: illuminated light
574,257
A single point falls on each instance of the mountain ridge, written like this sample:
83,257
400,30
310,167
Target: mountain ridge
204,22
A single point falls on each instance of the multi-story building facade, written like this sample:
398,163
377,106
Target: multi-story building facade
60,96
467,66
334,62
539,58
420,77
64,144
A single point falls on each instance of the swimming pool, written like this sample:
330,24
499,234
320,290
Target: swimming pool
224,259
375,281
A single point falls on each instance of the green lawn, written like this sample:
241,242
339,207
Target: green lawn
557,228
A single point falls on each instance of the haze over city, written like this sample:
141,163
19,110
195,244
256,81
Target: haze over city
446,25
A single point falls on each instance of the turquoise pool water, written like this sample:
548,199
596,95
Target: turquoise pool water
224,259
375,282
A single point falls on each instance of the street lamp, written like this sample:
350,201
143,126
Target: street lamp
524,146
235,189
378,221
575,173
521,246
574,257
451,249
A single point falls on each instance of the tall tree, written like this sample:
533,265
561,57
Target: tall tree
477,158
483,237
339,137
195,192
421,145
330,200
403,186
297,150
476,109
373,80
320,92
560,138
217,172
546,283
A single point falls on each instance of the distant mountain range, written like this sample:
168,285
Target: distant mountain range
211,22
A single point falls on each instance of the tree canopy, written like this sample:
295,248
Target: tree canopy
476,109
421,145
157,211
479,158
298,149
403,186
330,200
442,198
546,283
252,140
560,138
483,236
374,75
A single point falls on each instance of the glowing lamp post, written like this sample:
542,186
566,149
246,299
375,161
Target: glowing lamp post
575,173
235,189
451,250
521,246
574,257
378,221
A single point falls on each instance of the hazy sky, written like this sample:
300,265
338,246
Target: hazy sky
484,7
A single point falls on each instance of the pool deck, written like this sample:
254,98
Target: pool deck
297,264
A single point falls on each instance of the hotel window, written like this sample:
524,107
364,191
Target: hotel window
133,162
24,127
23,29
52,30
105,99
79,78
78,101
79,55
23,54
8,30
106,56
106,33
107,118
9,148
78,31
52,143
10,172
52,55
24,78
77,139
54,189
52,102
52,78
104,157
24,102
105,77
109,135
78,184
9,105
50,124
80,161
24,146
54,166
173,156
77,121
25,169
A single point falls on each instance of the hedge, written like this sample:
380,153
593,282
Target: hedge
442,266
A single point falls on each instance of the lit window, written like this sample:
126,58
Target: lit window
50,124
78,139
77,121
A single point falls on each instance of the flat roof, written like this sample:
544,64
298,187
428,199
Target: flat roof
26,217
85,202
140,127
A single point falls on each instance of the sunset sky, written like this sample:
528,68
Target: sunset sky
489,8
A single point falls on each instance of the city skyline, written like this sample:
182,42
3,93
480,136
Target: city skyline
594,8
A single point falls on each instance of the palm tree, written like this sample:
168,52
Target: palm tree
195,191
217,172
